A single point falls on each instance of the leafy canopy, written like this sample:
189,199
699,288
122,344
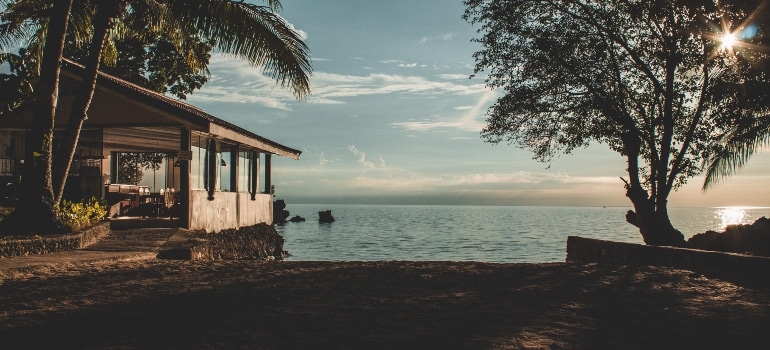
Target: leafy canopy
647,78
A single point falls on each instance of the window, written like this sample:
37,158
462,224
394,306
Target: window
224,158
244,171
198,162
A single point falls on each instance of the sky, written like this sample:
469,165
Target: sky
394,117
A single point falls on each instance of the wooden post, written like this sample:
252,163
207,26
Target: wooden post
212,166
235,151
268,171
254,174
184,179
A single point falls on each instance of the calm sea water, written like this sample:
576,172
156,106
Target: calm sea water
473,233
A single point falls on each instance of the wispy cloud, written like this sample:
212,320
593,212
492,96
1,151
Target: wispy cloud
443,37
236,82
453,76
470,120
330,86
361,157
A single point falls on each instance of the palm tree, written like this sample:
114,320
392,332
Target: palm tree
247,31
738,144
36,196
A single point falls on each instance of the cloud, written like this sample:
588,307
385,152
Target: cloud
331,85
235,81
362,157
471,120
444,37
453,76
407,65
302,34
404,181
322,160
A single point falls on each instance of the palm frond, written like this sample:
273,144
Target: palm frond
251,32
18,22
739,144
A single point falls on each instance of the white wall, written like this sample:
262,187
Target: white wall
228,210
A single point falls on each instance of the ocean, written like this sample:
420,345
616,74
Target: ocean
514,234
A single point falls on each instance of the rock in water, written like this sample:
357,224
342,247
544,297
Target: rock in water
279,214
297,218
325,216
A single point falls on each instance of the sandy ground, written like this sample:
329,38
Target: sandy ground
116,295
150,303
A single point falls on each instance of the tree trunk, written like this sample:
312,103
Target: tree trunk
35,211
79,112
653,222
650,214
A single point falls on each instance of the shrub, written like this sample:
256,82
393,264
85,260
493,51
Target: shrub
80,214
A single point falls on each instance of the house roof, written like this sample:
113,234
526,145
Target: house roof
189,113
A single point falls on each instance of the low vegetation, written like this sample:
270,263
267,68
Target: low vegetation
77,215
74,215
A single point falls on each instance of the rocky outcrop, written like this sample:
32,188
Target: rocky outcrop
753,239
325,216
279,213
257,242
297,218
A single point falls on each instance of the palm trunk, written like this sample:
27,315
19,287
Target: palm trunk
79,112
35,211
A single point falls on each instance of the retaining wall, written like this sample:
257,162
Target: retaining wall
53,244
745,269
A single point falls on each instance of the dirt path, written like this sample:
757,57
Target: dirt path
386,305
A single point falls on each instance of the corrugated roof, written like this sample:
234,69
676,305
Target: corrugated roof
178,108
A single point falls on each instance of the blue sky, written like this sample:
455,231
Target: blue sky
394,118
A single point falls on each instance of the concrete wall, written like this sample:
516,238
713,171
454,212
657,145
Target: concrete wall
745,269
228,210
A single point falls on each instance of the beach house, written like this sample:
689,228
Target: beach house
205,172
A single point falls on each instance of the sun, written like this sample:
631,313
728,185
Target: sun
728,40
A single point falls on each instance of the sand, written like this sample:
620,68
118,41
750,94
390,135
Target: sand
151,303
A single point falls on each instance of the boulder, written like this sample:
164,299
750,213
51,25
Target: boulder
297,218
279,214
325,216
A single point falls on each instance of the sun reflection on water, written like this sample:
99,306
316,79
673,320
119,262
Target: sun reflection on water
731,215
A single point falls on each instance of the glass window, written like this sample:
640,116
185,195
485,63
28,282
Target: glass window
197,164
225,168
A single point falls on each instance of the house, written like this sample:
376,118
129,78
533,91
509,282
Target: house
211,170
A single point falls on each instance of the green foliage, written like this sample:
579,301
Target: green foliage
80,214
648,79
16,85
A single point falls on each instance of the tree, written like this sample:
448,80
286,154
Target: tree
251,32
36,199
742,140
649,79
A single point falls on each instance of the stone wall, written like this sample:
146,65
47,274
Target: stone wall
256,242
745,269
53,244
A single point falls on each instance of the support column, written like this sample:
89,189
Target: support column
212,165
254,174
235,165
184,179
268,171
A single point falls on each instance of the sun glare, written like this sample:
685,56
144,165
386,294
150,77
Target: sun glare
728,41
731,215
